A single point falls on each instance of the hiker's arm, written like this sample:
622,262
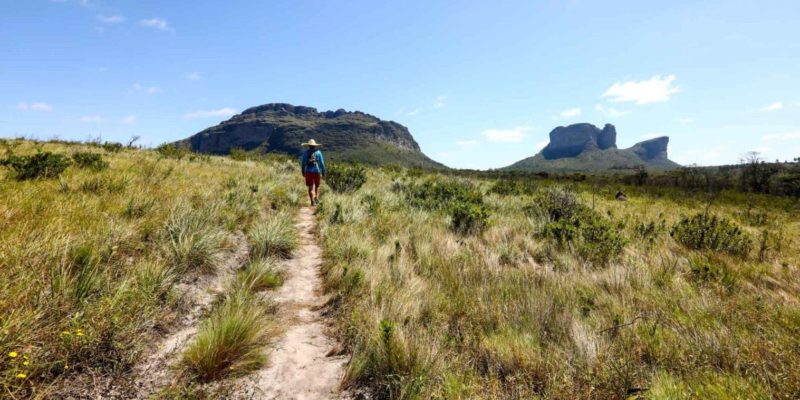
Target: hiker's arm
303,161
322,163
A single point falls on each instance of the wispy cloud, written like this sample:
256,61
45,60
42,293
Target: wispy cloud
654,90
222,112
648,136
513,135
150,90
91,119
440,102
35,106
443,154
156,23
761,150
467,143
542,144
611,112
193,76
571,112
772,107
129,120
111,19
782,137
686,120
413,112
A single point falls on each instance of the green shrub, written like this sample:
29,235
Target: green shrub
92,161
704,232
468,218
513,187
345,179
274,237
172,151
40,165
112,147
259,275
704,272
436,194
195,240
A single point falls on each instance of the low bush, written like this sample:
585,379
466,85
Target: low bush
703,272
92,161
259,275
44,165
345,179
172,151
704,232
195,240
435,194
468,218
513,187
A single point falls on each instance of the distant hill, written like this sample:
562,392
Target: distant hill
345,136
586,148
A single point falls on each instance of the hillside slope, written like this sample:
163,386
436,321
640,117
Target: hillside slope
346,136
586,148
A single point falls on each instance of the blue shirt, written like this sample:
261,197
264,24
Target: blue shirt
319,168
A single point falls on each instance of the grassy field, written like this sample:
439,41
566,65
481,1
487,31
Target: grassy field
459,289
95,263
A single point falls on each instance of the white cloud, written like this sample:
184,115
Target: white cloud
611,112
542,144
156,23
413,112
193,76
90,119
35,106
513,135
111,19
648,136
129,120
761,150
654,90
781,137
440,102
222,112
571,112
443,154
686,120
773,107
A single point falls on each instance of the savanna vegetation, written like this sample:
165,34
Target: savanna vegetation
448,287
100,247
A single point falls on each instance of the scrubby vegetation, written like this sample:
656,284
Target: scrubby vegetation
345,178
565,292
96,262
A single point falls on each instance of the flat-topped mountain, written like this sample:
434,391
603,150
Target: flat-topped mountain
587,148
345,135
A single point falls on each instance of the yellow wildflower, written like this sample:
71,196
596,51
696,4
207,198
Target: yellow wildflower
66,367
26,363
21,376
66,333
79,334
12,354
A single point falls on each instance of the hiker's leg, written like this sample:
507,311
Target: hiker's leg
311,194
317,191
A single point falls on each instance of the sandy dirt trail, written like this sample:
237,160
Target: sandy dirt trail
298,367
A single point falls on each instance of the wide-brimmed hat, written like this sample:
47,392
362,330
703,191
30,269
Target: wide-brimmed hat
311,143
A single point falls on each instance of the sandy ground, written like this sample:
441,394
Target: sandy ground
298,367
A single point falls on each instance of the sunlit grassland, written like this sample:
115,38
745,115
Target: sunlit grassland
90,260
512,313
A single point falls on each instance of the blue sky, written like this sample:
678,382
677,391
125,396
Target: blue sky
479,84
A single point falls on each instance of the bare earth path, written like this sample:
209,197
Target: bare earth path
298,367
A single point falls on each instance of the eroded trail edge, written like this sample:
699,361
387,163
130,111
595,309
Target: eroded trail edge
298,367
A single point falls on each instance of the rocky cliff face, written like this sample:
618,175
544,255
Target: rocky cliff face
585,147
345,135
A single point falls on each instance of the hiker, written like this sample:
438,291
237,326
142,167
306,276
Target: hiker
313,167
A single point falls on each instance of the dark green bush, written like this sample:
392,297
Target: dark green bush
40,165
704,232
345,179
93,161
172,151
513,187
704,272
436,194
112,147
468,218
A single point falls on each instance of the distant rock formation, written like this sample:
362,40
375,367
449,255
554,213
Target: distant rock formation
345,135
585,147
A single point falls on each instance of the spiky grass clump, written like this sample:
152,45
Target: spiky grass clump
195,242
259,275
231,341
275,237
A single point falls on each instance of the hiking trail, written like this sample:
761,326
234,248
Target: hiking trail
299,366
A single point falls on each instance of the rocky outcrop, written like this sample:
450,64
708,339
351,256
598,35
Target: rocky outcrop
573,140
653,149
280,127
586,148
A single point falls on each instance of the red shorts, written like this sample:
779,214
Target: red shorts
312,179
